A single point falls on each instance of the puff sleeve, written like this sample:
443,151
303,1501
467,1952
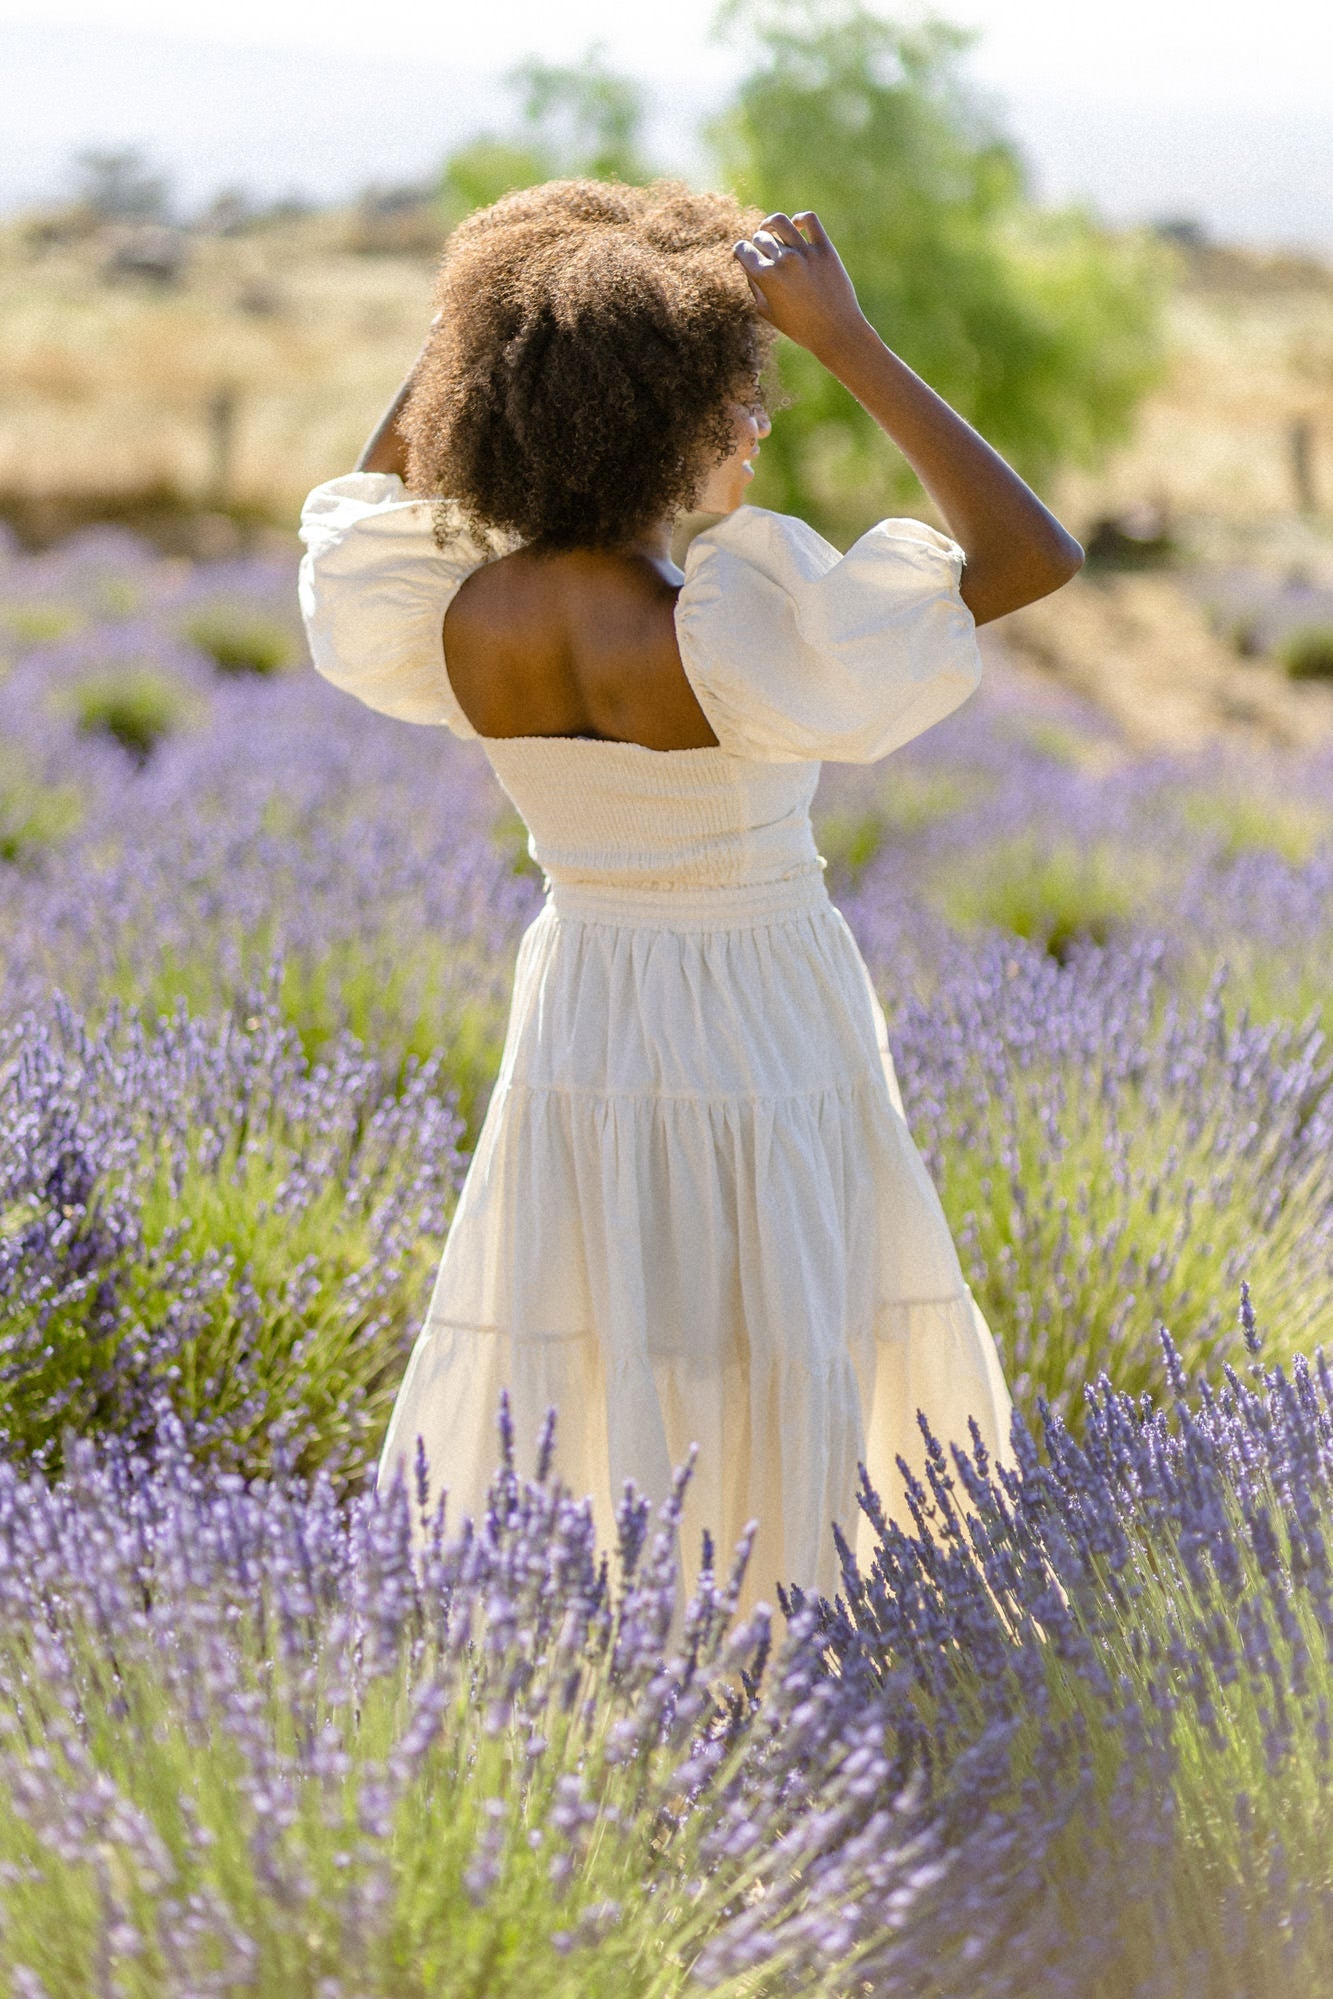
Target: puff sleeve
374,586
798,653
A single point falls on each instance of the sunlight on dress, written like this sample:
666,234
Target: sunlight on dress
695,1213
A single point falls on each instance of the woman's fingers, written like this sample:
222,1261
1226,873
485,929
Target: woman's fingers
813,228
760,299
751,255
752,261
759,255
797,280
783,229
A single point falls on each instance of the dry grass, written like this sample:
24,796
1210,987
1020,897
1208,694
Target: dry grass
1251,353
106,387
1143,649
105,390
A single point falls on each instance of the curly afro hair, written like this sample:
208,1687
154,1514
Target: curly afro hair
592,338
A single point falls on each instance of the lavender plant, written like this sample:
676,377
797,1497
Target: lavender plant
1068,1735
1156,1597
1108,1152
197,1209
1271,923
248,1741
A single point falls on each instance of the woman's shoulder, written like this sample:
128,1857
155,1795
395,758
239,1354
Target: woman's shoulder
797,650
380,569
373,518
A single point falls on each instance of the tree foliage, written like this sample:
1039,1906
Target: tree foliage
1041,327
581,119
588,118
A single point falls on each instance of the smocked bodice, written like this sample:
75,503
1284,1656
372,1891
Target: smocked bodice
619,816
795,654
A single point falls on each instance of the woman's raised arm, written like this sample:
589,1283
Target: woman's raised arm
1015,548
385,450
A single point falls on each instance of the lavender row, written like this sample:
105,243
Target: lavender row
1071,1734
197,1210
271,817
196,1204
1096,974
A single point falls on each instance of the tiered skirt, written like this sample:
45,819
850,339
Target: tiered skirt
696,1215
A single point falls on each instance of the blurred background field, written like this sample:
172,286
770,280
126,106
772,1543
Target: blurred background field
111,381
192,374
256,946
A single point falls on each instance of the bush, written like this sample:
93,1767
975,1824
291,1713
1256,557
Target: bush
33,815
858,813
1244,634
1123,1643
136,707
195,1209
1307,653
38,624
238,642
1242,823
1107,1151
1053,893
1136,540
444,1000
273,1753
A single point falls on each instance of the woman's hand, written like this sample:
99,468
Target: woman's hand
799,282
1015,549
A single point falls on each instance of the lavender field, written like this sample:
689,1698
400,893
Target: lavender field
1072,1736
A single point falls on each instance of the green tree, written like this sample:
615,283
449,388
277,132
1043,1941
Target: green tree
586,117
483,170
583,119
1042,328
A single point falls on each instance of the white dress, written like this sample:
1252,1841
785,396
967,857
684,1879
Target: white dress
695,1213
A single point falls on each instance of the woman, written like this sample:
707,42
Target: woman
695,1214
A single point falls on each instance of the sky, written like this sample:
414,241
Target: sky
1150,109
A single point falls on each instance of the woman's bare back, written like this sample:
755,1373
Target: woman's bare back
577,644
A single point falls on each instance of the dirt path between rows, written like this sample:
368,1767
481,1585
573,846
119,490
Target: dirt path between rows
1143,650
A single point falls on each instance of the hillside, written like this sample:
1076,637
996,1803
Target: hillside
205,405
